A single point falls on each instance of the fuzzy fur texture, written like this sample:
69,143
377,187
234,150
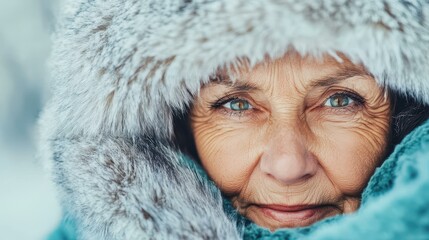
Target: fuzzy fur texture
121,69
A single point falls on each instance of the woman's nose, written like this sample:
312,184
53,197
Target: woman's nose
286,157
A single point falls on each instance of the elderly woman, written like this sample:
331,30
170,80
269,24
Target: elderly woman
293,141
234,119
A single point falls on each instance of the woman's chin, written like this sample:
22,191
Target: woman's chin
277,217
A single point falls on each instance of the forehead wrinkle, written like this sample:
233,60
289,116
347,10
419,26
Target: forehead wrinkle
295,75
273,77
270,73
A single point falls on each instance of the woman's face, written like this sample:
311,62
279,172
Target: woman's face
292,141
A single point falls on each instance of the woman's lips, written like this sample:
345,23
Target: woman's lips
296,215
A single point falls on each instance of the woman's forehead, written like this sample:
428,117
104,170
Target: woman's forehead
291,69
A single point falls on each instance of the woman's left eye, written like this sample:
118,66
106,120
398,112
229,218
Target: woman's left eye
238,105
339,100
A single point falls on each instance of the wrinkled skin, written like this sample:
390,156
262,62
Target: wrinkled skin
292,141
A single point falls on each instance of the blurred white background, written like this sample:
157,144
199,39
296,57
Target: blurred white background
29,208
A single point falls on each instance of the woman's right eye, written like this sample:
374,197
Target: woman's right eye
238,105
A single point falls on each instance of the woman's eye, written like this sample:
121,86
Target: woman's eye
238,105
339,100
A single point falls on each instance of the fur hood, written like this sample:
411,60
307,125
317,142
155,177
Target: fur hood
121,70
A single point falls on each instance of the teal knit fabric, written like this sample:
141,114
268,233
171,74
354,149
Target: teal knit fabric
395,203
65,231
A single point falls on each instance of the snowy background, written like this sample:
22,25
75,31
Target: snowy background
28,205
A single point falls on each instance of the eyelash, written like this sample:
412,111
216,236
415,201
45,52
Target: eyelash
359,101
356,97
218,105
221,101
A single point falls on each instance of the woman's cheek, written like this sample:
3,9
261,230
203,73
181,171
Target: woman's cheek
228,151
350,151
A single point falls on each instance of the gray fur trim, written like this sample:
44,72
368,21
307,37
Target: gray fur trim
121,67
135,189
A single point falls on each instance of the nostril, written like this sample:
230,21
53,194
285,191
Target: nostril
307,176
287,158
290,169
289,179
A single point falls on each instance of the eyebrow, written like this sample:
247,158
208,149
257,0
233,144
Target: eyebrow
234,85
339,76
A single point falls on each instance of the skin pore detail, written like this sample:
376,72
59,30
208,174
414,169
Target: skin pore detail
293,140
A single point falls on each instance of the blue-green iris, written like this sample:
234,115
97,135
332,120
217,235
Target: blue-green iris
239,105
339,100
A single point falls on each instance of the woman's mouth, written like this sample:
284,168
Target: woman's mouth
296,215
